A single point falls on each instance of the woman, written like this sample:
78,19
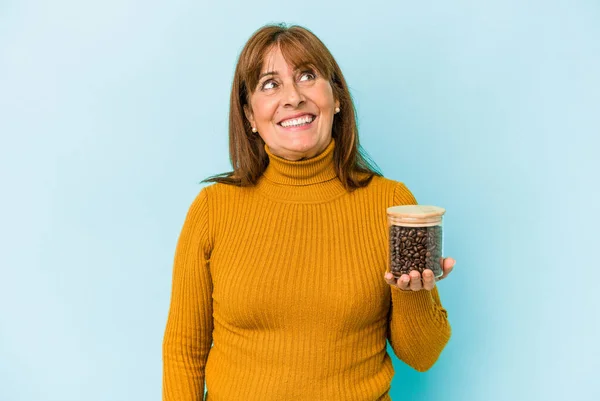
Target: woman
281,264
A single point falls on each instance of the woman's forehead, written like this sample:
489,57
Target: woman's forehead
269,61
275,60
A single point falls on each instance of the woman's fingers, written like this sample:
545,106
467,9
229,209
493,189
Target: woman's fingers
390,279
428,279
412,281
415,280
447,266
404,282
400,283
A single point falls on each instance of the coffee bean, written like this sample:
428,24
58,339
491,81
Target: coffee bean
415,248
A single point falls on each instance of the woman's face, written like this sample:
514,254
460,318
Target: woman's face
292,110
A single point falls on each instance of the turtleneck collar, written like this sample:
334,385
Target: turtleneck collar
307,181
302,172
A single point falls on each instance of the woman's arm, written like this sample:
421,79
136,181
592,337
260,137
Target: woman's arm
188,333
418,327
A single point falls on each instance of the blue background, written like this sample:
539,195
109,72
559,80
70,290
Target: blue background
113,111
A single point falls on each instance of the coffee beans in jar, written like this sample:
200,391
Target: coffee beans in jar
416,239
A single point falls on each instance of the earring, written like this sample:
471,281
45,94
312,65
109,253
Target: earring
337,109
253,129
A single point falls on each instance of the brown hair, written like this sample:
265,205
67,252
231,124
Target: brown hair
299,46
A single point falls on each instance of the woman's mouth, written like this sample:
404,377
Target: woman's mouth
299,123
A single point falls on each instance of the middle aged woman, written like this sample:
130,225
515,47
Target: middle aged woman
281,265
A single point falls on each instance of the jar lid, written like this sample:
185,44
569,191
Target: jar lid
422,211
415,215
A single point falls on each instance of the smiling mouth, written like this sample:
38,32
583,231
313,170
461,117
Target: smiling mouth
298,122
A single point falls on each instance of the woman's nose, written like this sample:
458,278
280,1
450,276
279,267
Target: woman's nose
292,96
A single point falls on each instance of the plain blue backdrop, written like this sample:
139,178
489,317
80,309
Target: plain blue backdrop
112,112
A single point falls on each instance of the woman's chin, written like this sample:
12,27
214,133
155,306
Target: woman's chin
299,150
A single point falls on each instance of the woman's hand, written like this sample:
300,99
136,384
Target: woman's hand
413,280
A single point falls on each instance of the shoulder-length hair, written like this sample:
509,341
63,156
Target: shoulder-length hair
299,46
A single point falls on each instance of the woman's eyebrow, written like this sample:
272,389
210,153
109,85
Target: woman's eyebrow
298,68
264,74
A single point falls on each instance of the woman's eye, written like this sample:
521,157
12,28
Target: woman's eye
310,75
270,84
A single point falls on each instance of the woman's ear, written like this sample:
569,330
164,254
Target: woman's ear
249,115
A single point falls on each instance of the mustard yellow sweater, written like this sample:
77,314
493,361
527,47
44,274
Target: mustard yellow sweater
285,281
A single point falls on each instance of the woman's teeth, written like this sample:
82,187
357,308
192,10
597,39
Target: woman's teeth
296,122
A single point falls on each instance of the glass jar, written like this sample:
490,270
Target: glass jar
416,239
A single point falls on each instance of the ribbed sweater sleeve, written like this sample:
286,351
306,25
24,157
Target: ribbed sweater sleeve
418,325
188,333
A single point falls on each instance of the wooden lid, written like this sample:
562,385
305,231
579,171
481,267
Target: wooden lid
415,215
